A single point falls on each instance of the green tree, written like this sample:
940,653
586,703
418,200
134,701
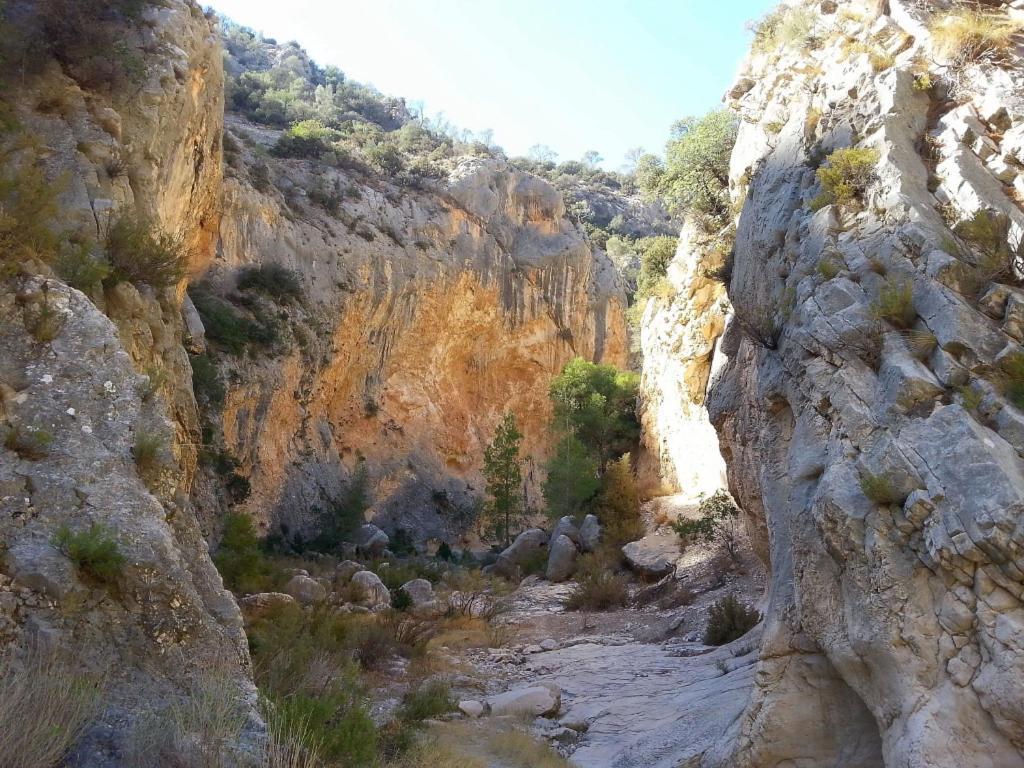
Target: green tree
597,403
695,176
504,508
572,480
239,559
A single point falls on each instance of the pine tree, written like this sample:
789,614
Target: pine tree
504,508
572,479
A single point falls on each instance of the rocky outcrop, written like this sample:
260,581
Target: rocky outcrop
678,336
877,464
99,420
429,311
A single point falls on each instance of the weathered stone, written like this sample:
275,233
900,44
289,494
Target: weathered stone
370,591
305,590
526,545
471,708
561,559
540,700
590,533
260,604
653,556
371,540
421,591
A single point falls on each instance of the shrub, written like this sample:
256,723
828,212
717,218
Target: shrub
656,254
987,232
138,252
400,599
444,552
94,552
723,273
728,620
428,701
966,35
150,453
717,523
828,268
79,266
598,586
846,177
307,139
880,489
32,444
278,282
202,728
229,329
259,175
45,708
1013,372
42,320
30,207
206,383
241,562
895,304
783,27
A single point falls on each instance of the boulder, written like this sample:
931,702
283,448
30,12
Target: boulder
527,544
566,526
653,557
471,708
370,591
590,533
561,559
371,540
306,590
345,570
258,605
548,645
421,591
542,700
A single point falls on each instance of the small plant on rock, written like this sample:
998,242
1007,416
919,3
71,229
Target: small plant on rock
717,523
275,280
149,452
729,620
967,35
94,551
895,304
846,176
32,444
1013,374
880,489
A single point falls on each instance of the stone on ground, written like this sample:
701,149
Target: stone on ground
653,556
306,590
371,591
561,559
539,700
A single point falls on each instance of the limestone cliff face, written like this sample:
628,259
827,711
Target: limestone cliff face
900,615
433,311
678,338
111,371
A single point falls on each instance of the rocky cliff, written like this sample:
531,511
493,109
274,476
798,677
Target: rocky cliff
429,310
419,312
96,390
679,333
868,407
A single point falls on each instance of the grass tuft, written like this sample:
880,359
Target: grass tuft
94,552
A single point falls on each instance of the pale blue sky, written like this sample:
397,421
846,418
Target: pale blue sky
572,74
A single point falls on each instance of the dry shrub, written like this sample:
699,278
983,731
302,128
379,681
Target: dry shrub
599,585
729,620
967,36
475,595
45,707
202,729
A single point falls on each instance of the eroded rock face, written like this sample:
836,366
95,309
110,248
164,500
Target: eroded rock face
430,311
78,406
890,504
678,336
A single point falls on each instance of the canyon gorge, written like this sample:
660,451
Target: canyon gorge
819,434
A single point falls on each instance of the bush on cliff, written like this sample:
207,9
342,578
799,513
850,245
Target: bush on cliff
846,176
139,252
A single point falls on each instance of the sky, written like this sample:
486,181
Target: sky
575,75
